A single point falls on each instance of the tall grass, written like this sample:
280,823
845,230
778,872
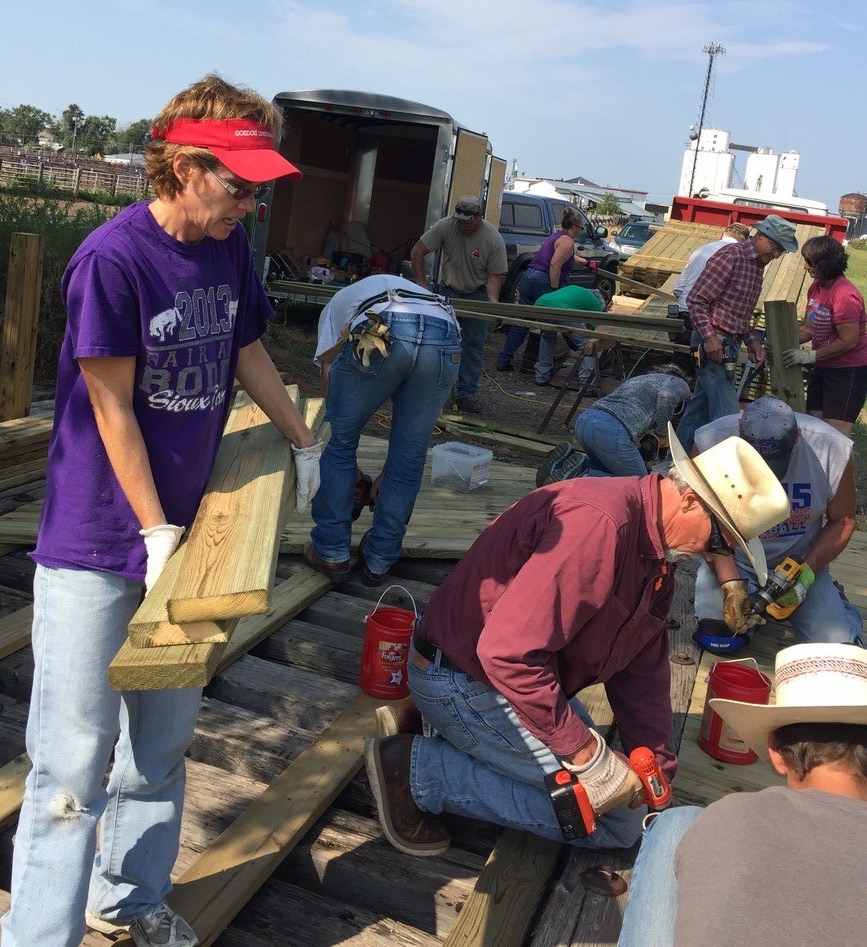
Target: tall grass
64,227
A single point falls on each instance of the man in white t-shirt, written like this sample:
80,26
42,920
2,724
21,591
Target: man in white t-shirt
380,338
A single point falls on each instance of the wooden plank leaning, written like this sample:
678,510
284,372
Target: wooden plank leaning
18,351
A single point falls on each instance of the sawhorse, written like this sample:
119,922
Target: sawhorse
593,349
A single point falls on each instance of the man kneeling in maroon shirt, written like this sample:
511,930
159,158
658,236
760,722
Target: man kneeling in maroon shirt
571,586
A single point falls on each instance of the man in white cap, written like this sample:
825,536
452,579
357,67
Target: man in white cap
720,305
571,586
780,866
473,266
815,465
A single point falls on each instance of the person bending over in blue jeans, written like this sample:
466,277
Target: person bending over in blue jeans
380,338
611,429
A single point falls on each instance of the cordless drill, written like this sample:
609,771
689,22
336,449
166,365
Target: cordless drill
729,359
782,580
574,812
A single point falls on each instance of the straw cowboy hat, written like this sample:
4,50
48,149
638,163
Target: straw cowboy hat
815,683
740,488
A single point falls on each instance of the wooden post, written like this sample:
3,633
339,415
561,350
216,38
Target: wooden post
781,333
23,289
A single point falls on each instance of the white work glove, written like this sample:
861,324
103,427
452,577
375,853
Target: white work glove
792,357
737,607
306,474
607,778
160,542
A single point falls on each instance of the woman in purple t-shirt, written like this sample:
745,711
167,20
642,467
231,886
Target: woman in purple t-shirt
835,325
548,270
165,311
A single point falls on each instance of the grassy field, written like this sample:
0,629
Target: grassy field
857,268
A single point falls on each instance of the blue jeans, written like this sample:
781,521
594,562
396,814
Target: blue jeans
483,763
473,335
533,284
417,375
823,616
605,440
714,397
652,904
79,623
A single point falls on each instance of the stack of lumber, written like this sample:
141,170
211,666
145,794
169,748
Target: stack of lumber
19,526
23,450
666,252
224,569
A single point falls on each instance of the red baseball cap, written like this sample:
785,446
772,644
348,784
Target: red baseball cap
244,146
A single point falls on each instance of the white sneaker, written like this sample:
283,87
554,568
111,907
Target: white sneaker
104,926
163,928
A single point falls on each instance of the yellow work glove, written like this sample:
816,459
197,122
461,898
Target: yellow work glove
372,338
737,608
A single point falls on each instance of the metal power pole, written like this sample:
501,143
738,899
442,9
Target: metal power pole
712,50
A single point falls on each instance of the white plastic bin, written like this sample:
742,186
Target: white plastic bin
460,467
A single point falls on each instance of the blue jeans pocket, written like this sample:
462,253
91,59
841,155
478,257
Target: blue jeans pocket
450,360
351,361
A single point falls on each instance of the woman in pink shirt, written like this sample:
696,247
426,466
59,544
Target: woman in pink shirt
835,325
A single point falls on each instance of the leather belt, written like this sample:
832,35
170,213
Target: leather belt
430,651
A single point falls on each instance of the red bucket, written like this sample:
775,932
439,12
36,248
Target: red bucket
732,681
387,634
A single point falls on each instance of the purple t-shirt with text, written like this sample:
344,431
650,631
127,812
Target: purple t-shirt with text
183,311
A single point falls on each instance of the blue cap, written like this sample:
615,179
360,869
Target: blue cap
770,426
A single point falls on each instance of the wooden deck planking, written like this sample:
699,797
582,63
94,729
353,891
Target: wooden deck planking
444,524
589,919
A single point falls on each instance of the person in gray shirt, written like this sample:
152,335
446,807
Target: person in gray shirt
779,866
611,430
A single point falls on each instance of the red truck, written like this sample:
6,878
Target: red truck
719,214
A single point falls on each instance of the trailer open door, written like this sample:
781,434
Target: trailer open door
494,202
470,162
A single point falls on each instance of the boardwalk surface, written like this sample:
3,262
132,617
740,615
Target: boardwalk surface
280,843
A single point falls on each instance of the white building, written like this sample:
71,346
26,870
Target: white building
709,165
708,170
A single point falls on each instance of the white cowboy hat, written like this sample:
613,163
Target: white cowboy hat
740,488
814,683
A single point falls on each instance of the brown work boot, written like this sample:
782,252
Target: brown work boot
336,571
408,828
400,716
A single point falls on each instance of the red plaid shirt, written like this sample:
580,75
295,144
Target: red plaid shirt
724,296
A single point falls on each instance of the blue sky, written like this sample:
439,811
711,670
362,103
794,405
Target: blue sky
568,87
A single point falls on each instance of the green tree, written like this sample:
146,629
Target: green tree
95,133
23,124
608,206
132,138
66,128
